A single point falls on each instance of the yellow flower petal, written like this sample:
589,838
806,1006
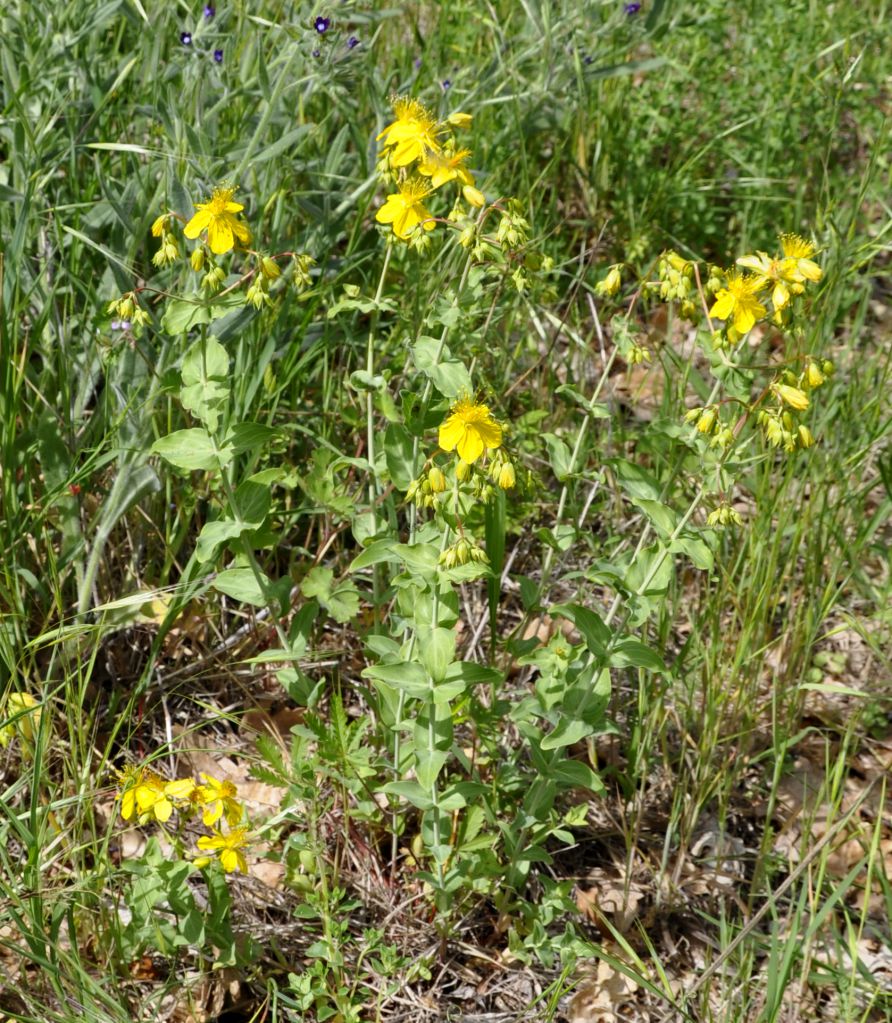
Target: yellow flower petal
220,237
197,224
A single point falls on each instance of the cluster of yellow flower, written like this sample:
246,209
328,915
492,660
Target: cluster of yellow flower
417,138
145,795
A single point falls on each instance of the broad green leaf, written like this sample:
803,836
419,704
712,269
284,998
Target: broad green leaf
576,774
376,552
428,764
213,534
447,374
183,314
695,548
341,600
192,449
248,436
652,566
595,633
567,732
410,677
664,518
634,480
398,447
634,653
411,791
437,649
559,455
241,584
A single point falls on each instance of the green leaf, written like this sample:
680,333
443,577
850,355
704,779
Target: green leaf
410,677
183,314
341,601
248,436
567,732
205,374
213,534
594,631
398,447
411,791
576,774
634,653
376,552
664,518
428,764
192,449
634,480
241,584
594,409
437,648
695,548
447,374
652,559
558,455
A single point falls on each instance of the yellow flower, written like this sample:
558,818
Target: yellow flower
405,209
158,224
770,272
218,216
738,301
470,429
18,706
798,252
473,196
412,134
792,396
443,167
228,847
151,795
219,798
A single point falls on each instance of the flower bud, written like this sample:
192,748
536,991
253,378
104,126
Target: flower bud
506,478
814,375
792,396
197,259
611,284
806,438
158,225
436,479
473,196
269,268
707,421
459,120
462,470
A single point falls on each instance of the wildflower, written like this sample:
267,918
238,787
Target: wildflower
443,167
631,9
792,396
219,799
436,479
218,56
588,59
774,272
26,720
352,42
738,301
151,795
270,268
706,420
798,253
197,259
316,53
473,196
169,251
321,25
217,215
469,429
404,210
158,225
412,135
446,84
228,847
209,11
806,438
186,38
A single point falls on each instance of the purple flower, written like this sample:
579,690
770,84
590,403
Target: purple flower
186,38
447,84
417,62
321,24
317,53
631,9
209,11
588,59
351,42
218,56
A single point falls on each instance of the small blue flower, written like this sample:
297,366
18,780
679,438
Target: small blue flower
417,62
351,42
209,11
631,9
588,59
321,24
186,38
317,53
218,56
447,84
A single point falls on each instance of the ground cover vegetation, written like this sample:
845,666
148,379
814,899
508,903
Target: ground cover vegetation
446,480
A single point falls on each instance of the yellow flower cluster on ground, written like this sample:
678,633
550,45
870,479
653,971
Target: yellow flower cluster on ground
148,797
416,137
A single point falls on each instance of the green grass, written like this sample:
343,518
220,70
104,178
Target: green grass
620,136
